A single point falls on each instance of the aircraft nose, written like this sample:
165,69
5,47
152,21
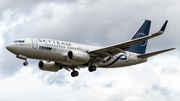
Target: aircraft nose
10,47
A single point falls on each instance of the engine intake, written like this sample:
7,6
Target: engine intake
78,56
49,66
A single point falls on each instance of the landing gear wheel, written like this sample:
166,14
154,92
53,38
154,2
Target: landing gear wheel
25,63
74,73
92,68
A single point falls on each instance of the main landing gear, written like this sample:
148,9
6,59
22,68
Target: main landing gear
74,73
92,68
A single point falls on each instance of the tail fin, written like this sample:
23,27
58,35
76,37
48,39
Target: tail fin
143,30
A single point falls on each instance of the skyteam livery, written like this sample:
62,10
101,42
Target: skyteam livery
56,55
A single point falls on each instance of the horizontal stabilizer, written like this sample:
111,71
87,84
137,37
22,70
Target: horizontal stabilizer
154,53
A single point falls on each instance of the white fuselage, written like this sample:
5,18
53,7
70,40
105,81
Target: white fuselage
54,50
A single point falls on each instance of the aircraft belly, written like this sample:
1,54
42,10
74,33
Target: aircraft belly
44,55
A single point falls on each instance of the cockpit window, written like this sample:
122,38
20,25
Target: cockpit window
19,41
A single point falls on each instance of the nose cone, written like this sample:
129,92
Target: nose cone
10,47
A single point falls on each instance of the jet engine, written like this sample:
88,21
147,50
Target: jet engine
49,66
78,56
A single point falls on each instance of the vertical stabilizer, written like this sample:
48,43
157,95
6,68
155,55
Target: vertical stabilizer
143,30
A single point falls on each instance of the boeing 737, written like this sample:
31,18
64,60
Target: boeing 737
55,55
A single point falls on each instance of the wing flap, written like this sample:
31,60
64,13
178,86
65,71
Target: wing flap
147,55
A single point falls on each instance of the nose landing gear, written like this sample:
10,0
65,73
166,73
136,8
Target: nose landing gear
24,58
25,63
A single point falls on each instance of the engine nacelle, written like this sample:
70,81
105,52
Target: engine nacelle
49,66
78,56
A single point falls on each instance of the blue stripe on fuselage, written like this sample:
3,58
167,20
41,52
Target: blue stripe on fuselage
119,57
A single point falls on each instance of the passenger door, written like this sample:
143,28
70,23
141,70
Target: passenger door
34,43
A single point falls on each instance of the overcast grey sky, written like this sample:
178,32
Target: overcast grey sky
93,22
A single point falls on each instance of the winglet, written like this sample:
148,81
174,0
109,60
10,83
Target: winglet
161,30
164,26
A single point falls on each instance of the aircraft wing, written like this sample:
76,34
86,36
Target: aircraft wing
112,50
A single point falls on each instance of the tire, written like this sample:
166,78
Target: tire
92,68
74,73
25,63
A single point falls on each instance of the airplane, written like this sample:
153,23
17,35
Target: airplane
55,55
